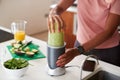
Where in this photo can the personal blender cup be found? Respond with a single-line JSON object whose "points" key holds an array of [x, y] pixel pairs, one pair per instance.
{"points": [[55, 48]]}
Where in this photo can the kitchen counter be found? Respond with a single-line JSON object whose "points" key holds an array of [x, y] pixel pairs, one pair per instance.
{"points": [[4, 36], [37, 69]]}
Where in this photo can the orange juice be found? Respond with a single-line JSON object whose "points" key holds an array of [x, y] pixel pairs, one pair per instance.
{"points": [[19, 35]]}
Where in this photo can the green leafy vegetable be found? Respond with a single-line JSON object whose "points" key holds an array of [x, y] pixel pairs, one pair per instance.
{"points": [[16, 63]]}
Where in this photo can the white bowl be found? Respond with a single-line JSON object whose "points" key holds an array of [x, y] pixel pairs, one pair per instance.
{"points": [[15, 72]]}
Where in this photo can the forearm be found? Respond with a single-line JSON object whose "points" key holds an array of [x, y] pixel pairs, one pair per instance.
{"points": [[62, 6], [97, 40], [111, 25]]}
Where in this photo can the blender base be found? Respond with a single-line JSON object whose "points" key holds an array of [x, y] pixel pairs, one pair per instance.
{"points": [[56, 72]]}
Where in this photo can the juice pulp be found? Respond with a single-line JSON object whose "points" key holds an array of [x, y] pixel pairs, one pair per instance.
{"points": [[19, 35]]}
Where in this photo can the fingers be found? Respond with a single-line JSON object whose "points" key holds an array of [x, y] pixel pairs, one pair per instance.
{"points": [[62, 62], [55, 20], [59, 21], [52, 22], [66, 57], [62, 56], [51, 26], [63, 59], [57, 24], [48, 24]]}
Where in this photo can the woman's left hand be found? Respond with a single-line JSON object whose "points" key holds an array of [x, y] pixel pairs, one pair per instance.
{"points": [[67, 57]]}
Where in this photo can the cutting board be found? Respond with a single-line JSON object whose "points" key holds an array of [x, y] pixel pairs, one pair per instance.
{"points": [[37, 55]]}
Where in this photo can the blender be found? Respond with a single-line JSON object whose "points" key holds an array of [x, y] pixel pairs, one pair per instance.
{"points": [[55, 48]]}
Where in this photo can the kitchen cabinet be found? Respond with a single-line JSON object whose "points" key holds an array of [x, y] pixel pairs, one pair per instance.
{"points": [[68, 18]]}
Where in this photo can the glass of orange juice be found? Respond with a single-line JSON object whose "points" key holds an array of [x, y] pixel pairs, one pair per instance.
{"points": [[18, 29]]}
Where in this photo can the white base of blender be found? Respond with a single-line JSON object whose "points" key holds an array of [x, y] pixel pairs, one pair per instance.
{"points": [[56, 72]]}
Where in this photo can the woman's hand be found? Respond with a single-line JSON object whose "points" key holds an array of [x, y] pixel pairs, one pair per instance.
{"points": [[54, 16], [67, 57], [53, 19]]}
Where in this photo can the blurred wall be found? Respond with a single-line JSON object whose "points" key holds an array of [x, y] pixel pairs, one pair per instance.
{"points": [[33, 11]]}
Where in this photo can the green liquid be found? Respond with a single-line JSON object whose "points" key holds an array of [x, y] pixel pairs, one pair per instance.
{"points": [[56, 39]]}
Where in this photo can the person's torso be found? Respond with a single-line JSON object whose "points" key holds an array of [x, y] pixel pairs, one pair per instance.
{"points": [[92, 15]]}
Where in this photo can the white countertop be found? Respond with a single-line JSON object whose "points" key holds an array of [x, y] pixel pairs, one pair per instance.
{"points": [[36, 70]]}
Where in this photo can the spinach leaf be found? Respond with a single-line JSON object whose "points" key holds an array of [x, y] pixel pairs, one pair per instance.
{"points": [[16, 63]]}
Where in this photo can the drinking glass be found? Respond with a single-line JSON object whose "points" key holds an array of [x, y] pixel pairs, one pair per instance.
{"points": [[18, 29]]}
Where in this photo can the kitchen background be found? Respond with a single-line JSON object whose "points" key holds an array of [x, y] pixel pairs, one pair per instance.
{"points": [[33, 11]]}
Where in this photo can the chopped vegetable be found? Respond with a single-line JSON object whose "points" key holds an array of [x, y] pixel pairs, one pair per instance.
{"points": [[34, 50], [21, 48], [17, 45], [21, 53], [30, 54], [27, 49]]}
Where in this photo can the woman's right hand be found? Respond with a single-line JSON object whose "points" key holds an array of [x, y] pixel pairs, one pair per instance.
{"points": [[67, 57], [54, 18]]}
